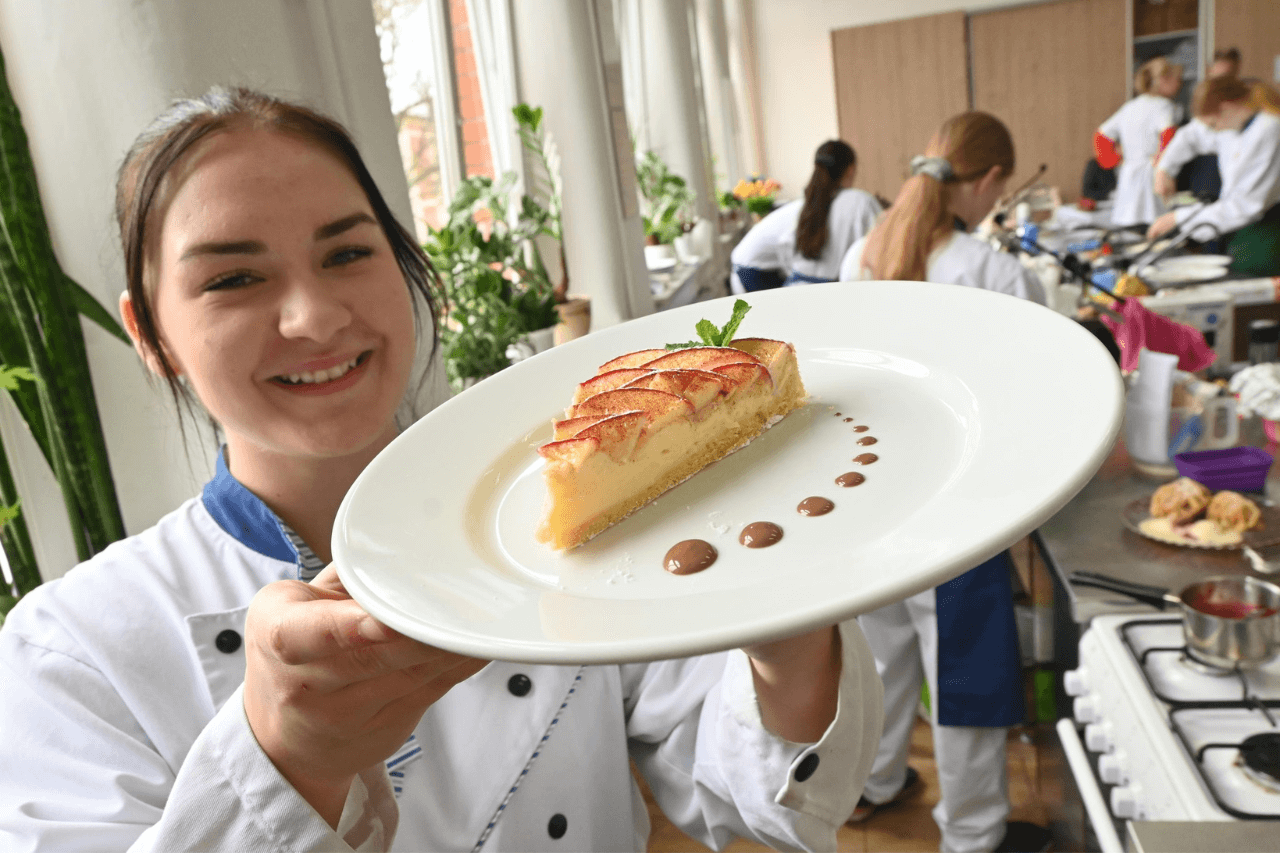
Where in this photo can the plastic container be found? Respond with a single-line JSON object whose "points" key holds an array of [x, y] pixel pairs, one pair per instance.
{"points": [[1240, 469]]}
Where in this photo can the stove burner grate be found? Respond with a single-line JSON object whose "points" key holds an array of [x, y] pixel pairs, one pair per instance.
{"points": [[1260, 754]]}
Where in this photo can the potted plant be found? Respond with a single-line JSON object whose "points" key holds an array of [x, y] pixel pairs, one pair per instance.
{"points": [[668, 209], [757, 195]]}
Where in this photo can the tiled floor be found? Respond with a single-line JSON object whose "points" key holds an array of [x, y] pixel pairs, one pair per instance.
{"points": [[1037, 790]]}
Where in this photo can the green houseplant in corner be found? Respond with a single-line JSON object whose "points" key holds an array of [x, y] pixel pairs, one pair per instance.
{"points": [[46, 367], [668, 208]]}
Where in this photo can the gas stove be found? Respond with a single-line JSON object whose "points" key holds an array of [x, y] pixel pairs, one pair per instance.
{"points": [[1169, 738]]}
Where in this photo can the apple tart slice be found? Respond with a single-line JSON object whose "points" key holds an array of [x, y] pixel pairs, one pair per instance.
{"points": [[650, 419]]}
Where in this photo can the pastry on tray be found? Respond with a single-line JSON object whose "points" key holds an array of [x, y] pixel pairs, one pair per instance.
{"points": [[1233, 511], [1180, 501], [650, 419]]}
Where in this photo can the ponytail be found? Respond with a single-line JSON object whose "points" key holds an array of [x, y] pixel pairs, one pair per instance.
{"points": [[965, 148], [833, 159]]}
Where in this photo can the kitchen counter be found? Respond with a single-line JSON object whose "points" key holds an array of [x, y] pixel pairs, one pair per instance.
{"points": [[1177, 836], [1088, 535]]}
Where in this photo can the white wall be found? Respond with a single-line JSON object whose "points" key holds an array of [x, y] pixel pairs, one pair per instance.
{"points": [[88, 76], [797, 81]]}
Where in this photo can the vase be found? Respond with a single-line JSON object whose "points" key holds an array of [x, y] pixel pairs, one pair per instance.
{"points": [[531, 343], [575, 319]]}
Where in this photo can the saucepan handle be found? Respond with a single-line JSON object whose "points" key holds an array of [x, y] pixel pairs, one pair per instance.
{"points": [[1157, 597]]}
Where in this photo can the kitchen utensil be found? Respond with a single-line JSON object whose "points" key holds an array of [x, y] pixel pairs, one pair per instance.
{"points": [[1228, 621], [1264, 535], [1240, 469], [1260, 564]]}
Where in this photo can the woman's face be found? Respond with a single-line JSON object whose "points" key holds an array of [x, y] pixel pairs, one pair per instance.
{"points": [[1168, 85], [277, 296]]}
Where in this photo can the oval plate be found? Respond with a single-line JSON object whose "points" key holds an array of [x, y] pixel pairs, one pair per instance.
{"points": [[990, 413], [1138, 511]]}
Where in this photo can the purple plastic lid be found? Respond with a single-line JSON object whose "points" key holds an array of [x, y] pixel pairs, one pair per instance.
{"points": [[1240, 469]]}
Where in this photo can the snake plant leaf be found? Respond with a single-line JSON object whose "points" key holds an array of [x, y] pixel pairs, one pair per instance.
{"points": [[94, 310]]}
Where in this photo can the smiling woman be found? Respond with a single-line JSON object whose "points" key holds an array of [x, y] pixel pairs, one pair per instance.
{"points": [[208, 684]]}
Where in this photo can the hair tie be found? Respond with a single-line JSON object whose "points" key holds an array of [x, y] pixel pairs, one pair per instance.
{"points": [[935, 167]]}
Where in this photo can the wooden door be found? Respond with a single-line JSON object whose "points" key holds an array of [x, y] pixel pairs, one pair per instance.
{"points": [[1253, 27], [1052, 72], [895, 83]]}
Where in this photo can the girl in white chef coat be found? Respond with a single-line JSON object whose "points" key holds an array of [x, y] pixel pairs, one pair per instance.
{"points": [[188, 689], [1139, 130], [803, 240], [961, 636], [1246, 137]]}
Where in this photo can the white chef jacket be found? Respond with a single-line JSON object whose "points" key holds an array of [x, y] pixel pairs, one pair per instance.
{"points": [[1249, 162], [963, 259], [771, 242], [1137, 126], [123, 726]]}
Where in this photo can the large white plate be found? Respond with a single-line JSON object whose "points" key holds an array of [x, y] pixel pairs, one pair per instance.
{"points": [[991, 412], [1186, 269]]}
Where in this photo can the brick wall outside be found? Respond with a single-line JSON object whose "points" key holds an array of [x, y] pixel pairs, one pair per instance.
{"points": [[477, 158]]}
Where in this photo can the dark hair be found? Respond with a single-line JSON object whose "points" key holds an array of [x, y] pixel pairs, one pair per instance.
{"points": [[139, 187], [833, 159], [1230, 54]]}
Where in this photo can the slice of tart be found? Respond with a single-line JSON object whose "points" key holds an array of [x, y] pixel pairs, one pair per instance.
{"points": [[650, 419]]}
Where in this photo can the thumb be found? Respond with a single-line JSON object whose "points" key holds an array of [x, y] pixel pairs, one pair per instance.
{"points": [[328, 579]]}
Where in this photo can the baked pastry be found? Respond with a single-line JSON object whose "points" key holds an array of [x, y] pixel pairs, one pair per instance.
{"points": [[650, 419], [1233, 511], [1180, 501]]}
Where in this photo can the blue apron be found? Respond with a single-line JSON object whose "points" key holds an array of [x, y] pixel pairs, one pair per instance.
{"points": [[754, 278], [799, 278], [979, 663]]}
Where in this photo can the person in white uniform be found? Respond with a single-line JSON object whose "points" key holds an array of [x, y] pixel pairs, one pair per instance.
{"points": [[1245, 135], [803, 240], [189, 689], [1131, 139], [960, 637]]}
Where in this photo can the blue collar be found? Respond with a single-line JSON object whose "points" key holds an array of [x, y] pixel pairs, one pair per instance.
{"points": [[244, 516]]}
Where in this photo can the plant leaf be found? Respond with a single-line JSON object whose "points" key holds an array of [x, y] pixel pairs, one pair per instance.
{"points": [[740, 309], [87, 306], [713, 336], [9, 377]]}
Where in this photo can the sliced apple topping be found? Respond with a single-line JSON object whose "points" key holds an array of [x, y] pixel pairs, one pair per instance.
{"points": [[699, 387], [631, 359], [569, 427], [768, 351], [570, 451], [617, 435], [742, 376], [701, 358], [607, 381], [660, 407]]}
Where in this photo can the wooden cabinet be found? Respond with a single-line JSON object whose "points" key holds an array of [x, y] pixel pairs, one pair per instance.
{"points": [[1252, 26], [895, 83], [1052, 72]]}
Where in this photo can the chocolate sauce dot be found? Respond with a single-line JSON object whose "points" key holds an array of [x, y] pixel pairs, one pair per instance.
{"points": [[867, 441], [853, 478], [760, 534], [861, 428], [815, 506], [848, 420], [839, 414], [865, 458], [689, 556]]}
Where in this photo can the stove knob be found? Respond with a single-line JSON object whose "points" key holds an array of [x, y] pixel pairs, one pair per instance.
{"points": [[1076, 681], [1124, 802], [1097, 737], [1113, 768], [1085, 709]]}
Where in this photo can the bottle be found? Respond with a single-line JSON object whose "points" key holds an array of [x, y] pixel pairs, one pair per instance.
{"points": [[1264, 341]]}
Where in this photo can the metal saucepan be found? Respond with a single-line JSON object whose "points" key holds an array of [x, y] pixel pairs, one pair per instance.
{"points": [[1228, 621]]}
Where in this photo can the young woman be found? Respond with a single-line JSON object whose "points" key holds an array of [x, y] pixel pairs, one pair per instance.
{"points": [[1133, 137], [187, 689], [961, 636], [1246, 138], [804, 240]]}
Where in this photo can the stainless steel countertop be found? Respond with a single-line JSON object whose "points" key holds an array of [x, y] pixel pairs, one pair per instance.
{"points": [[1177, 836], [1087, 534]]}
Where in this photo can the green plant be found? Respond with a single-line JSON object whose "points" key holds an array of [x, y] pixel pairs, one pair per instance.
{"points": [[41, 341], [668, 200]]}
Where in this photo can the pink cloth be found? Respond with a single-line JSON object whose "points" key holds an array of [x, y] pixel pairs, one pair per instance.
{"points": [[1144, 328]]}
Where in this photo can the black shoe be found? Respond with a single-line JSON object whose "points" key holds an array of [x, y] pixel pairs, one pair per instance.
{"points": [[1023, 837], [866, 808]]}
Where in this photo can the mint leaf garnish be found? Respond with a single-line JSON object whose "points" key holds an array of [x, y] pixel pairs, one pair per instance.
{"points": [[713, 336]]}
